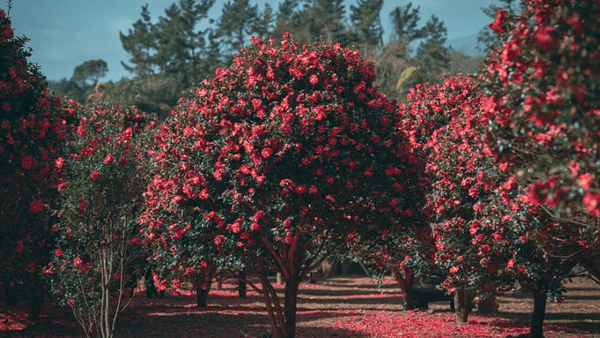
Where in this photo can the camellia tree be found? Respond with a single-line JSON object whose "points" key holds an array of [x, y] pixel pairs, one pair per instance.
{"points": [[440, 120], [32, 128], [486, 233], [543, 106], [279, 162], [98, 234]]}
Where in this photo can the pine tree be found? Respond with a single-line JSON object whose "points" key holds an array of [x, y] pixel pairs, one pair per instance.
{"points": [[141, 44], [405, 22], [264, 27], [285, 17], [324, 19], [367, 29], [180, 45], [235, 25], [432, 55]]}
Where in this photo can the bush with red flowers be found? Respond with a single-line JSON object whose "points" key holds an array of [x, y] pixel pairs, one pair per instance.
{"points": [[543, 106], [277, 163], [98, 234], [485, 232], [32, 128]]}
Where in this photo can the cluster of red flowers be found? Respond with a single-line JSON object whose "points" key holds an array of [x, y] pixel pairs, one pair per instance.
{"points": [[543, 104], [31, 129], [298, 125], [542, 108]]}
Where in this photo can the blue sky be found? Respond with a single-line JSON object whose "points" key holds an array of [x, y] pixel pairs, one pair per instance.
{"points": [[65, 33]]}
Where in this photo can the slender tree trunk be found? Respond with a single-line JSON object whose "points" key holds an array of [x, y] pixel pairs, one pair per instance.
{"points": [[10, 292], [291, 301], [242, 288], [279, 278], [407, 287], [202, 290], [461, 306], [539, 312], [36, 298]]}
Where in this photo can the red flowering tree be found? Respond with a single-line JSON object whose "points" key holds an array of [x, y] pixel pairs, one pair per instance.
{"points": [[278, 162], [98, 234], [485, 232], [543, 108], [31, 130], [440, 120]]}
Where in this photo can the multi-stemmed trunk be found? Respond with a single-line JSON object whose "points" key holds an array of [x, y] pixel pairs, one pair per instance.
{"points": [[406, 283], [283, 320]]}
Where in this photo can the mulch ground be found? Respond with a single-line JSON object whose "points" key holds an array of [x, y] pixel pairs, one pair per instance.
{"points": [[349, 306]]}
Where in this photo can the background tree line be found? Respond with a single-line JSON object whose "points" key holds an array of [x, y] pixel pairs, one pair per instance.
{"points": [[176, 51]]}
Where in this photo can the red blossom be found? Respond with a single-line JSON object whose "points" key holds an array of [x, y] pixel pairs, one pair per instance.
{"points": [[94, 175]]}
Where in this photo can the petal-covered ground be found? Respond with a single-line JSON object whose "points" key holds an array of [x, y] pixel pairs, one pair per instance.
{"points": [[338, 307]]}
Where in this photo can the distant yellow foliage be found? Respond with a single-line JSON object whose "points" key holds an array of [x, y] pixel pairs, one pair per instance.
{"points": [[405, 75]]}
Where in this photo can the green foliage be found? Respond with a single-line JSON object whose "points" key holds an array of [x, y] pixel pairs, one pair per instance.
{"points": [[235, 25], [90, 70], [366, 24], [77, 87]]}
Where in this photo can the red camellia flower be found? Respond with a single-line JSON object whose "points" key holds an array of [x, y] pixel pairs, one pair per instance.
{"points": [[27, 162], [58, 252], [36, 206], [109, 159], [496, 25], [94, 175]]}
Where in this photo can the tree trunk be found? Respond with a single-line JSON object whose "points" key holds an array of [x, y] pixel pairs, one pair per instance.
{"points": [[10, 292], [407, 287], [290, 302], [279, 278], [36, 298], [461, 306], [539, 312], [242, 285], [202, 290]]}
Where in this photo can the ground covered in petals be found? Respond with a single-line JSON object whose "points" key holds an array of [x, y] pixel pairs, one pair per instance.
{"points": [[337, 307]]}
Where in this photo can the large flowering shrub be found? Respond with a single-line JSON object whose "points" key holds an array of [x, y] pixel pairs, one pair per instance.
{"points": [[98, 231], [31, 130], [277, 163], [486, 233], [543, 106]]}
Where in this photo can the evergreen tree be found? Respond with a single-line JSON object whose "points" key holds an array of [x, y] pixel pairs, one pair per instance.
{"points": [[405, 22], [368, 32], [237, 22], [432, 55], [265, 24], [324, 19], [180, 45], [141, 44], [89, 70], [284, 20]]}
